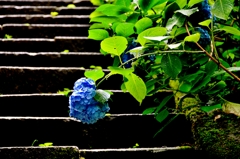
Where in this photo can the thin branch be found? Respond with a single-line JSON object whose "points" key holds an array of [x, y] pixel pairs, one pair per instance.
{"points": [[213, 59]]}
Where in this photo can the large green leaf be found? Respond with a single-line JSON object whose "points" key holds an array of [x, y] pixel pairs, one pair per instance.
{"points": [[149, 111], [136, 87], [102, 96], [106, 19], [155, 31], [171, 65], [143, 24], [114, 45], [210, 108], [112, 10], [125, 3], [94, 74], [162, 115], [121, 71], [222, 8], [230, 30], [97, 34], [177, 19], [146, 5], [192, 38], [125, 29], [187, 12], [181, 3]]}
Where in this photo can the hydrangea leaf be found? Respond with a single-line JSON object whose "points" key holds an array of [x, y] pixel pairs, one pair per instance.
{"points": [[181, 3], [102, 96], [114, 45], [155, 31], [94, 74], [97, 34], [146, 5], [193, 2], [171, 65], [177, 19], [205, 22], [210, 108], [136, 87], [192, 38], [105, 19], [230, 30], [125, 3], [222, 8], [162, 115], [125, 29], [143, 24], [187, 12], [112, 10], [121, 71], [149, 111]]}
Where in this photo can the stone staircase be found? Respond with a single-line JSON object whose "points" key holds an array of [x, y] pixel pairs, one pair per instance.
{"points": [[33, 68]]}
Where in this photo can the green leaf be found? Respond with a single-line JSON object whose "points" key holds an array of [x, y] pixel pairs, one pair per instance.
{"points": [[163, 103], [155, 31], [106, 19], [192, 38], [71, 6], [121, 71], [171, 65], [146, 5], [230, 30], [133, 18], [54, 14], [65, 92], [177, 19], [114, 45], [158, 38], [185, 87], [210, 108], [193, 2], [181, 3], [205, 22], [102, 96], [174, 46], [94, 74], [143, 24], [222, 8], [99, 26], [125, 29], [125, 3], [202, 83], [97, 34], [136, 87], [112, 10], [149, 111], [216, 73], [217, 87], [211, 67], [187, 12], [162, 115]]}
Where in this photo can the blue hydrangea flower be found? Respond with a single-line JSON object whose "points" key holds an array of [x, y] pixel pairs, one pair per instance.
{"points": [[127, 56], [82, 104], [205, 10], [204, 38]]}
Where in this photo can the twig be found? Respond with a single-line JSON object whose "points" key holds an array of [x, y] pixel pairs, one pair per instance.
{"points": [[213, 59]]}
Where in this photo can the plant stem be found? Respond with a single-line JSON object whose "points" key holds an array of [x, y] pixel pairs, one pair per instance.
{"points": [[213, 59]]}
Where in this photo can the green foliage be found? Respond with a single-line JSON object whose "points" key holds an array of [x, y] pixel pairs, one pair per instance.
{"points": [[171, 41], [94, 74]]}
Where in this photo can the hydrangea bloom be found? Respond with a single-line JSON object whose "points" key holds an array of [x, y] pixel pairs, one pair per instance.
{"points": [[127, 56], [82, 104], [205, 10], [204, 38]]}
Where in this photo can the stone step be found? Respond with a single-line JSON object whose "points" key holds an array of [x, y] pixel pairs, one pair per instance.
{"points": [[22, 104], [46, 2], [72, 152], [44, 30], [44, 19], [21, 80], [115, 131], [55, 59], [9, 9], [58, 44]]}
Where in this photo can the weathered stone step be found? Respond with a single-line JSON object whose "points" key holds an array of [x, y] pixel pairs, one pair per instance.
{"points": [[22, 104], [58, 44], [44, 30], [9, 9], [115, 131], [55, 59], [44, 19], [72, 152], [46, 2], [55, 152], [15, 80]]}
